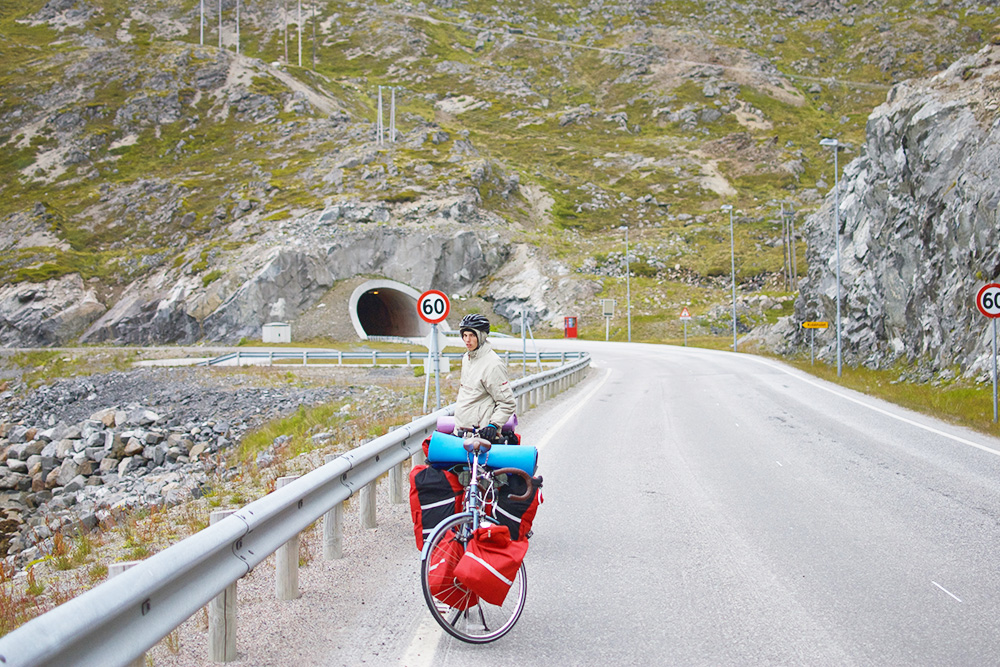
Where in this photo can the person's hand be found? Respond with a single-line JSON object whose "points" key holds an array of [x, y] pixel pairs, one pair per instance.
{"points": [[488, 432]]}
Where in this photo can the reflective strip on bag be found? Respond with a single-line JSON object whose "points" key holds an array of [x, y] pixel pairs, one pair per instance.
{"points": [[507, 514], [493, 570], [440, 503]]}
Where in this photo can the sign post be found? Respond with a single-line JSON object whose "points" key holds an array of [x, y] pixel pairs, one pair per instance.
{"points": [[433, 306], [988, 303], [608, 307], [812, 326], [685, 316]]}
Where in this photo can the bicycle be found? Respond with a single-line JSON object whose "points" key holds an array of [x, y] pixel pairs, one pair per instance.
{"points": [[460, 612]]}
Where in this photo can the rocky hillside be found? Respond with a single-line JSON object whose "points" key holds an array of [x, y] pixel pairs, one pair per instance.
{"points": [[159, 187], [919, 228]]}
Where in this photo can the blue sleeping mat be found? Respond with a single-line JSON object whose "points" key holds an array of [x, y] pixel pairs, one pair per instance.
{"points": [[447, 449]]}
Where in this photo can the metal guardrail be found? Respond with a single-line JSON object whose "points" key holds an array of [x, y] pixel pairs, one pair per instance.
{"points": [[116, 622], [410, 358]]}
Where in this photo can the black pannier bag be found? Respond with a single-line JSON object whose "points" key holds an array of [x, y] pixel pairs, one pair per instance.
{"points": [[434, 496], [518, 515]]}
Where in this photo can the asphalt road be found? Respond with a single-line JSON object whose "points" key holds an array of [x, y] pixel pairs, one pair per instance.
{"points": [[709, 508], [701, 508]]}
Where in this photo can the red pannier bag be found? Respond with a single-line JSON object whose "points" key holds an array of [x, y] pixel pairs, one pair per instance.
{"points": [[434, 496], [517, 515], [441, 575], [490, 563]]}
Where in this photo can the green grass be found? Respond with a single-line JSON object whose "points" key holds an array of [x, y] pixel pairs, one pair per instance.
{"points": [[961, 402], [298, 426], [45, 366]]}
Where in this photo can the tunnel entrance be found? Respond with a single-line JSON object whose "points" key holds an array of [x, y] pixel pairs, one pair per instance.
{"points": [[385, 308]]}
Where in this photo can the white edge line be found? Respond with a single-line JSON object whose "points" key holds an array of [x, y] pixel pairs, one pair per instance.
{"points": [[566, 417], [423, 646], [879, 410], [946, 590]]}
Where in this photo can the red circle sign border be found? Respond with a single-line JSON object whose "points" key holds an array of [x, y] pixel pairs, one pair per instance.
{"points": [[979, 300], [447, 306]]}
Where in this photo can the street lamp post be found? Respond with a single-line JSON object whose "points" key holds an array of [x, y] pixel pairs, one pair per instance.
{"points": [[628, 289], [833, 143], [732, 260]]}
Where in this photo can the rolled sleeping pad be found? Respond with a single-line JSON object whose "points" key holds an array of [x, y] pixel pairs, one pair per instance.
{"points": [[447, 425], [447, 449]]}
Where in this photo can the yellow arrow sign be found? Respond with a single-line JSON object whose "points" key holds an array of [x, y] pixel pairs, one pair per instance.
{"points": [[815, 325]]}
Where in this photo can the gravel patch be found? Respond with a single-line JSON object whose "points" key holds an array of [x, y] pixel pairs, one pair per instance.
{"points": [[351, 611]]}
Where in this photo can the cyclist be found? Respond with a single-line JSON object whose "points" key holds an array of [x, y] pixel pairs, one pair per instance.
{"points": [[485, 399]]}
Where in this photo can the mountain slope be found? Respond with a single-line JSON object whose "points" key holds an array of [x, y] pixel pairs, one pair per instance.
{"points": [[147, 177]]}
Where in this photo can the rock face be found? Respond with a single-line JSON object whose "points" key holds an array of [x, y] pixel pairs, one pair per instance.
{"points": [[49, 313], [278, 278], [919, 227]]}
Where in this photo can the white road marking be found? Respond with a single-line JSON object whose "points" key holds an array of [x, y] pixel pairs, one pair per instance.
{"points": [[779, 464], [420, 652], [552, 430], [945, 590], [880, 410]]}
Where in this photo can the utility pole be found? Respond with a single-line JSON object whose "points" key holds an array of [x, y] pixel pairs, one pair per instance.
{"points": [[836, 230], [732, 259], [379, 125], [392, 115]]}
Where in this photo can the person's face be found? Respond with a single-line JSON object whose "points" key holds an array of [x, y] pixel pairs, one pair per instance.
{"points": [[470, 339]]}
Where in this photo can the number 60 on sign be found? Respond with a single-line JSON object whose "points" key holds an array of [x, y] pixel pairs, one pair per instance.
{"points": [[988, 300]]}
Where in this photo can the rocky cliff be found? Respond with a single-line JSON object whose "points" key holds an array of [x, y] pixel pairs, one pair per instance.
{"points": [[919, 230]]}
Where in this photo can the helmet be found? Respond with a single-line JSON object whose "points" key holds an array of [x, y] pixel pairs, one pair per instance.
{"points": [[474, 321]]}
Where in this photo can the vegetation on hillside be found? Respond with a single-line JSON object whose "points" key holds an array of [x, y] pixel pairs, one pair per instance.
{"points": [[117, 140]]}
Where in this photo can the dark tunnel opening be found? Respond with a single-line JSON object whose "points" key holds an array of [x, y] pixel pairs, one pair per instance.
{"points": [[388, 312]]}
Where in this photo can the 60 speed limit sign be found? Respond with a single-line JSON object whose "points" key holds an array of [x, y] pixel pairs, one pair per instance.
{"points": [[433, 306], [988, 300]]}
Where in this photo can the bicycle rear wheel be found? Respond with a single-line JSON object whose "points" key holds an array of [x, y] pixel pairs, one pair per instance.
{"points": [[460, 612]]}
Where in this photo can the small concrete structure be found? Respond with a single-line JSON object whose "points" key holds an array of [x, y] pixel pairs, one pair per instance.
{"points": [[277, 332]]}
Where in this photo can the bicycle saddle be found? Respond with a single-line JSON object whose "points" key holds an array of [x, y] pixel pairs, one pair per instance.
{"points": [[480, 445]]}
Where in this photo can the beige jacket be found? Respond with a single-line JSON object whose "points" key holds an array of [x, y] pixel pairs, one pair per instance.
{"points": [[485, 396]]}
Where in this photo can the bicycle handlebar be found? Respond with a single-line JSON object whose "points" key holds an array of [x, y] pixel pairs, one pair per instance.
{"points": [[481, 446], [528, 479]]}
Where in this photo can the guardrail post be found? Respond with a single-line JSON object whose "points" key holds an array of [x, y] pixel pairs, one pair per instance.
{"points": [[408, 361], [114, 569], [286, 559], [333, 526], [237, 357], [374, 357], [367, 509], [396, 477], [305, 357], [222, 613], [270, 357]]}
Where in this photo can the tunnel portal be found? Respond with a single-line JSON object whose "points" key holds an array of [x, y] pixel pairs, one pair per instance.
{"points": [[388, 308]]}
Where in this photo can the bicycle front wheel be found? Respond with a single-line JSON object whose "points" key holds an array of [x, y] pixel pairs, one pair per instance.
{"points": [[460, 612]]}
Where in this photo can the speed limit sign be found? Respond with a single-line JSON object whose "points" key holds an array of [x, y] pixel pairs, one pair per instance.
{"points": [[988, 300], [433, 306]]}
